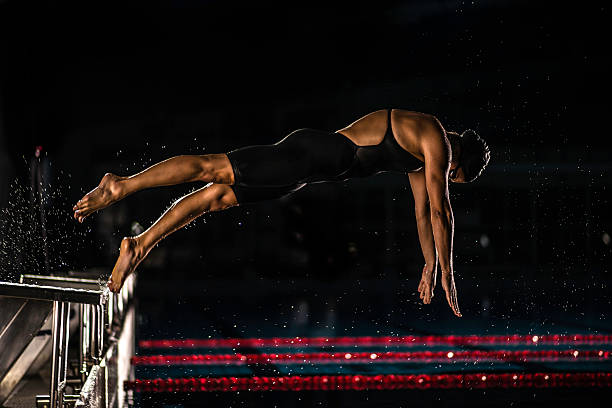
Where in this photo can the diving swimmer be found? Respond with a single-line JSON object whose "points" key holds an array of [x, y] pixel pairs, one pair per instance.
{"points": [[389, 140]]}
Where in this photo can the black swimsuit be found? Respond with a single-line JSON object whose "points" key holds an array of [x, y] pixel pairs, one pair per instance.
{"points": [[306, 156]]}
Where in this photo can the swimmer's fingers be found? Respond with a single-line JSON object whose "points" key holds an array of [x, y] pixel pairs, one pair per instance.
{"points": [[453, 294], [448, 284], [448, 299], [451, 298], [422, 286], [425, 291], [423, 283], [427, 294], [455, 302]]}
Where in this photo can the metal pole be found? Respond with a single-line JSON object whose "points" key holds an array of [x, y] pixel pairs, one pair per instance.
{"points": [[59, 362], [64, 355], [92, 334], [82, 335], [100, 326], [56, 332], [97, 330]]}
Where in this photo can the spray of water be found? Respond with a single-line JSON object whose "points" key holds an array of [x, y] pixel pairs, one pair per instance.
{"points": [[33, 244]]}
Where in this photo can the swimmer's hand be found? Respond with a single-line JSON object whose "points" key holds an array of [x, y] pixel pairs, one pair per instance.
{"points": [[428, 283], [448, 284]]}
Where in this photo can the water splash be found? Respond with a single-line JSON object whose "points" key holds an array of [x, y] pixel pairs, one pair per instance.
{"points": [[23, 232]]}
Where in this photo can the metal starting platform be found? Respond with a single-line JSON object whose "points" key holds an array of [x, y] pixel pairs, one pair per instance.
{"points": [[65, 341]]}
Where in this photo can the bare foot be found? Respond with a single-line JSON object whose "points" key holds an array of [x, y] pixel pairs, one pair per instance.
{"points": [[108, 191], [427, 285], [130, 255]]}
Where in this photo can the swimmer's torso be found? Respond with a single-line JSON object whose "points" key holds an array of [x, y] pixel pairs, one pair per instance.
{"points": [[400, 145]]}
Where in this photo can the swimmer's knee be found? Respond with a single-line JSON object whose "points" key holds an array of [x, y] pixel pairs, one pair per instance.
{"points": [[215, 168], [224, 197], [206, 168]]}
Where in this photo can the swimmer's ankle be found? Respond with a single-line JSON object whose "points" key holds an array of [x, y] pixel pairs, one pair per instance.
{"points": [[129, 185], [119, 187], [138, 246], [115, 186]]}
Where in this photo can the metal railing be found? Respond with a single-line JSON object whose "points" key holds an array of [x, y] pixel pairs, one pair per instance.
{"points": [[101, 315]]}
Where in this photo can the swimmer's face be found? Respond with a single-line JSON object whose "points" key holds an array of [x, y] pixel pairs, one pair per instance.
{"points": [[456, 174]]}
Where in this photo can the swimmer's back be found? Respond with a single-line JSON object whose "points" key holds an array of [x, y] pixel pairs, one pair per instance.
{"points": [[409, 127]]}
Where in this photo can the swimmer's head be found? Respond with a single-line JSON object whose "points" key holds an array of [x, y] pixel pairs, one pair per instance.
{"points": [[472, 158]]}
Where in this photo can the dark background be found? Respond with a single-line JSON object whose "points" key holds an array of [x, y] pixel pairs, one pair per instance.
{"points": [[117, 88]]}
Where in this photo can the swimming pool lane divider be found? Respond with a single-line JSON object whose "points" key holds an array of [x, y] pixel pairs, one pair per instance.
{"points": [[377, 382], [372, 357], [373, 382], [365, 341]]}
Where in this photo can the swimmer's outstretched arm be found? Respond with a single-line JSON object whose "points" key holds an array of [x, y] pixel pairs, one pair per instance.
{"points": [[176, 170], [212, 197], [437, 153], [426, 238]]}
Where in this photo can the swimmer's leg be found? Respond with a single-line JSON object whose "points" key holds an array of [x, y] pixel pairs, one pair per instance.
{"points": [[213, 197], [215, 168]]}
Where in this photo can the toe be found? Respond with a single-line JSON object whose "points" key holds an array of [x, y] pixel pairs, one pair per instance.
{"points": [[111, 286]]}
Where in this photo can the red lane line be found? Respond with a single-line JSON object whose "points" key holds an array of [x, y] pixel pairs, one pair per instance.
{"points": [[372, 382], [380, 341], [360, 357]]}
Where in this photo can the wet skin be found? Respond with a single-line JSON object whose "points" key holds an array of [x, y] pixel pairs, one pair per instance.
{"points": [[216, 170], [429, 273], [181, 169], [106, 193]]}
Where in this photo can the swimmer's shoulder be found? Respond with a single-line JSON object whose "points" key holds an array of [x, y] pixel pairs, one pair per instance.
{"points": [[417, 119], [417, 127]]}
